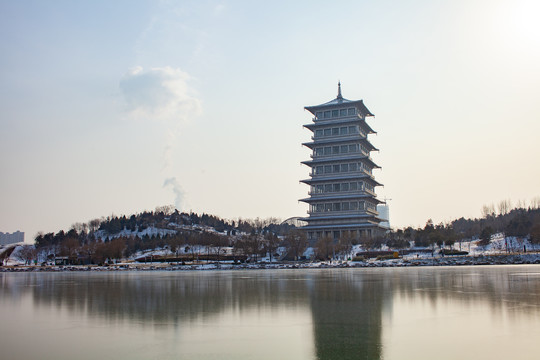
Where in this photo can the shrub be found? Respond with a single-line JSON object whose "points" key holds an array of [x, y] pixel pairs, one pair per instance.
{"points": [[385, 257], [453, 252]]}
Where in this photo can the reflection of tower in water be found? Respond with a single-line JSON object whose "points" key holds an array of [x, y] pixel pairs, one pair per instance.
{"points": [[347, 316], [346, 306]]}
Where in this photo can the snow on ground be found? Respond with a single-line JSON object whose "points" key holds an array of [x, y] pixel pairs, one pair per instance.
{"points": [[150, 231], [499, 245]]}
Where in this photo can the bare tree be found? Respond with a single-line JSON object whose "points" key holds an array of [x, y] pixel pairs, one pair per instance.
{"points": [[165, 209], [504, 207], [242, 246], [218, 244], [488, 210], [296, 241], [27, 253], [194, 248], [69, 247], [254, 244], [324, 248], [272, 243], [80, 227], [115, 248], [345, 243], [521, 204], [93, 225]]}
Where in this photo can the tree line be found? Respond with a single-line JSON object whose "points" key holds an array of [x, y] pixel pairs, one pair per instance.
{"points": [[196, 244], [98, 240], [519, 222], [101, 240]]}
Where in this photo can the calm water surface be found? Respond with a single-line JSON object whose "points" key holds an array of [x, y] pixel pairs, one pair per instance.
{"points": [[404, 313]]}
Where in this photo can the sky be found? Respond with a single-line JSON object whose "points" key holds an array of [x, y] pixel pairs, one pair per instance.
{"points": [[118, 107]]}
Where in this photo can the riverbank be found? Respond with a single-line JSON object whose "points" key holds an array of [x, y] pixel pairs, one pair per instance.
{"points": [[512, 259]]}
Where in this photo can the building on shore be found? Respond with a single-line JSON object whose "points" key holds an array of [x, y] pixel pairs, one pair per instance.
{"points": [[342, 199], [8, 239]]}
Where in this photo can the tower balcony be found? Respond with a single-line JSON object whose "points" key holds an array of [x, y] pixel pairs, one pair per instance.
{"points": [[364, 192], [357, 196], [328, 215], [329, 156], [329, 159], [352, 176], [341, 140], [348, 174], [340, 122]]}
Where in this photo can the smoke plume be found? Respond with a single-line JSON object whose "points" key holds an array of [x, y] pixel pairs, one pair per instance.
{"points": [[163, 95]]}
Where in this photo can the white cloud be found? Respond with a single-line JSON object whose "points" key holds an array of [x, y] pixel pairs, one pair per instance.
{"points": [[159, 94], [218, 9]]}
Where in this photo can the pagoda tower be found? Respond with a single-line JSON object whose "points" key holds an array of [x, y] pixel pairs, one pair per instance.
{"points": [[342, 197]]}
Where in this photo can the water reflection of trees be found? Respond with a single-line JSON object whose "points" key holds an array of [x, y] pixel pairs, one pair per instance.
{"points": [[498, 287], [157, 298], [347, 306]]}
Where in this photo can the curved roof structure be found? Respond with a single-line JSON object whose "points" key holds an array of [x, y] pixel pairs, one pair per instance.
{"points": [[339, 101]]}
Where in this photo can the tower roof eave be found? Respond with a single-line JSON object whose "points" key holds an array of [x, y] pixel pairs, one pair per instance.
{"points": [[339, 102], [363, 176], [370, 224], [335, 141], [362, 196], [316, 161], [323, 123]]}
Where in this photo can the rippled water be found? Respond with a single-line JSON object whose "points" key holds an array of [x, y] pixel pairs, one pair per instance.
{"points": [[404, 313]]}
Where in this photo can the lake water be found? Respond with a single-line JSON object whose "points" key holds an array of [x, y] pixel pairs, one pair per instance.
{"points": [[393, 313]]}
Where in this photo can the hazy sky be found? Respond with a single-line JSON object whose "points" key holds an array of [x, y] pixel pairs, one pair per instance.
{"points": [[116, 107]]}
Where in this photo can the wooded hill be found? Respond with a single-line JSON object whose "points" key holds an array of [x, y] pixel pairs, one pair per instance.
{"points": [[117, 237]]}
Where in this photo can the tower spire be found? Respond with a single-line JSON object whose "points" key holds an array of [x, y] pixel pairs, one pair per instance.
{"points": [[339, 90]]}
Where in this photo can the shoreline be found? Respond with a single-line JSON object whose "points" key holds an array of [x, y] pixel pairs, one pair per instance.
{"points": [[500, 259]]}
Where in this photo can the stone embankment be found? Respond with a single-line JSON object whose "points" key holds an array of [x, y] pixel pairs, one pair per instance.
{"points": [[399, 262], [455, 261]]}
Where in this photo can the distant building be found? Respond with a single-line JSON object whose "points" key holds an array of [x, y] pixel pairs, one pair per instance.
{"points": [[7, 238], [342, 186], [384, 215]]}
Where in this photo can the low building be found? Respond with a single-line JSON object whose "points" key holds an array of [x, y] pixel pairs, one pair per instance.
{"points": [[384, 215], [14, 238]]}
